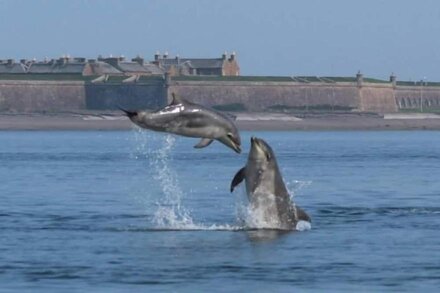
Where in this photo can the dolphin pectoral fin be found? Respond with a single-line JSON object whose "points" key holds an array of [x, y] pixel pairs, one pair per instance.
{"points": [[238, 178], [301, 215], [203, 143]]}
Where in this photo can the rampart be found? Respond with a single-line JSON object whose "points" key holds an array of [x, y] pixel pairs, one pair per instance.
{"points": [[288, 96], [231, 94], [421, 98], [41, 96], [132, 96], [55, 96]]}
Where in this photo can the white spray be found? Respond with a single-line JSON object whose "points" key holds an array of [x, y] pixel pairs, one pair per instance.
{"points": [[156, 150]]}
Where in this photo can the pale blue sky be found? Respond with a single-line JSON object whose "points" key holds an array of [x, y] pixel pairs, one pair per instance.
{"points": [[276, 37]]}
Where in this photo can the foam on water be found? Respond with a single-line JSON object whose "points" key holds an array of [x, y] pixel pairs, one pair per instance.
{"points": [[303, 226]]}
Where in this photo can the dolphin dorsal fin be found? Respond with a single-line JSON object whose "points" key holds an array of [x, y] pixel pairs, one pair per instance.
{"points": [[176, 100]]}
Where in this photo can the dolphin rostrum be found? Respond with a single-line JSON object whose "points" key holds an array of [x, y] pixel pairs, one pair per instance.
{"points": [[189, 119], [266, 190]]}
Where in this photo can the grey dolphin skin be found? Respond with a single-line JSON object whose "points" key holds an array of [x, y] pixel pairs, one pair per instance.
{"points": [[265, 188], [189, 119]]}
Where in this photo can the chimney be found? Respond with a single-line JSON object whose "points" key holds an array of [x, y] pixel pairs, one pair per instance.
{"points": [[113, 61], [79, 59], [156, 56], [62, 61], [232, 58], [393, 80], [139, 60], [224, 55], [167, 79], [10, 62], [23, 61], [165, 55], [359, 78]]}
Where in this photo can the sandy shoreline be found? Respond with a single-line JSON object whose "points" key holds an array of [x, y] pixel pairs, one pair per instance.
{"points": [[245, 121]]}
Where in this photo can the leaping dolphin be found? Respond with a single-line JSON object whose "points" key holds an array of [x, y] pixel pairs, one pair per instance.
{"points": [[266, 190], [189, 119]]}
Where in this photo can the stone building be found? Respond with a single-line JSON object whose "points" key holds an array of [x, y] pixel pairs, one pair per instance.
{"points": [[95, 67], [9, 66], [137, 66], [63, 65], [223, 66]]}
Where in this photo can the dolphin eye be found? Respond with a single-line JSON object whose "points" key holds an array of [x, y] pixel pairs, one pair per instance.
{"points": [[268, 157]]}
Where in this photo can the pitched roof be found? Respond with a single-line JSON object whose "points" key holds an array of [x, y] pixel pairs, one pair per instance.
{"points": [[62, 65], [40, 67], [154, 69], [192, 62], [204, 63], [100, 68], [69, 68], [128, 67], [135, 66]]}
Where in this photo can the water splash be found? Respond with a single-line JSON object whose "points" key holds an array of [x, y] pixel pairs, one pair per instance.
{"points": [[260, 216], [303, 226], [262, 213], [156, 149], [256, 216], [295, 186], [169, 213]]}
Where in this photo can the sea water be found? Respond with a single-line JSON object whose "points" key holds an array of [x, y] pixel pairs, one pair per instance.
{"points": [[137, 211]]}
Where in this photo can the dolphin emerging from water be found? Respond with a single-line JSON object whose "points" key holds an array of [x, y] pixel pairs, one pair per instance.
{"points": [[266, 190], [190, 119]]}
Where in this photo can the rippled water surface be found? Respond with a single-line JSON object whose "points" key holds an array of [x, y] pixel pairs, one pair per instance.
{"points": [[139, 211]]}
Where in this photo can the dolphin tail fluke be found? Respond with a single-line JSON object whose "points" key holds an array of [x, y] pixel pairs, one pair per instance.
{"points": [[301, 215], [203, 143], [127, 112], [238, 178]]}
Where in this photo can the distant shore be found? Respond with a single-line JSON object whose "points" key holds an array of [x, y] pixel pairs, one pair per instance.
{"points": [[88, 120]]}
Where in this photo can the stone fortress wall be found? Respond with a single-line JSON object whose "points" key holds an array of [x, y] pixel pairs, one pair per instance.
{"points": [[246, 94], [41, 96], [261, 96], [61, 96], [70, 84]]}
